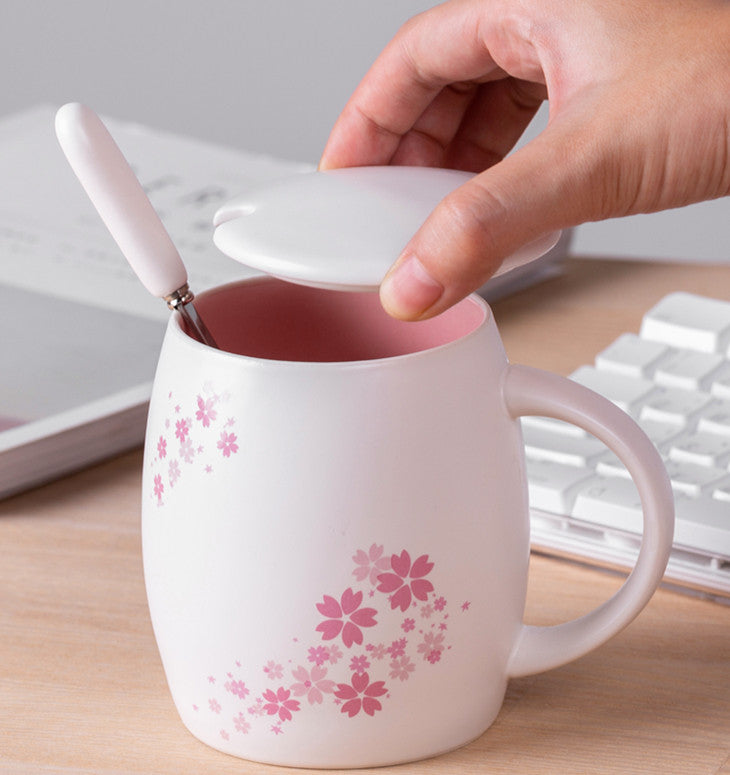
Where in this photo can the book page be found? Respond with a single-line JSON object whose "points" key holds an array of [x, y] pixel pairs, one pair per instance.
{"points": [[52, 241]]}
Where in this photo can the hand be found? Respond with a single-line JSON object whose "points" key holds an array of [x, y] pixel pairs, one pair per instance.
{"points": [[639, 94]]}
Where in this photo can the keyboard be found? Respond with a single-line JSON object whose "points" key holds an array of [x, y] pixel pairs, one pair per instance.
{"points": [[673, 378]]}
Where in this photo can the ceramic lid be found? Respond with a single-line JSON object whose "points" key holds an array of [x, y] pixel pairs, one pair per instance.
{"points": [[339, 229]]}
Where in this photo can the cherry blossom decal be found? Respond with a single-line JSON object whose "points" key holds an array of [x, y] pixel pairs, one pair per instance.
{"points": [[346, 617], [406, 580], [341, 661], [195, 432]]}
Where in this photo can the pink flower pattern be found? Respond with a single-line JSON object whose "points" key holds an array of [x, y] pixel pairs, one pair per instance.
{"points": [[347, 622], [432, 641], [407, 580], [208, 431], [236, 687], [279, 703], [182, 429], [187, 453], [273, 670], [205, 412], [401, 668], [312, 683], [173, 472], [370, 564], [345, 617], [359, 664], [319, 655], [227, 443], [159, 488], [335, 655], [361, 694]]}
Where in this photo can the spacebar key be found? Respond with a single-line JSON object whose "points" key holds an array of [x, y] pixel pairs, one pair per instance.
{"points": [[702, 524], [610, 501]]}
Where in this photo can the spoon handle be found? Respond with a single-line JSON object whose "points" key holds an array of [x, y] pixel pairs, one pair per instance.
{"points": [[120, 199], [126, 210]]}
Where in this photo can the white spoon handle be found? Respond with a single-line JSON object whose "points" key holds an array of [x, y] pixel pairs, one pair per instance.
{"points": [[120, 199]]}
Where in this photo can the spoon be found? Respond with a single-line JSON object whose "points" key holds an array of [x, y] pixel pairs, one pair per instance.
{"points": [[127, 212]]}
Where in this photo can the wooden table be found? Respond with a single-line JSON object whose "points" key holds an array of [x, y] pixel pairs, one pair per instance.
{"points": [[82, 689]]}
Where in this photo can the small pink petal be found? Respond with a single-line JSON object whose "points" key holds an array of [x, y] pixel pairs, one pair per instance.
{"points": [[330, 628], [421, 567], [301, 674], [360, 682], [375, 552], [330, 607], [345, 692], [364, 617], [352, 707], [351, 634], [376, 689], [401, 564], [350, 601], [361, 558], [318, 672], [421, 588], [369, 705], [402, 598], [389, 582]]}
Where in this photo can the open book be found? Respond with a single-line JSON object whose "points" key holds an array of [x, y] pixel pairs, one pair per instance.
{"points": [[81, 335]]}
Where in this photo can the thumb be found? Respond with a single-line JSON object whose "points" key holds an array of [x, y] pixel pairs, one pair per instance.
{"points": [[479, 225]]}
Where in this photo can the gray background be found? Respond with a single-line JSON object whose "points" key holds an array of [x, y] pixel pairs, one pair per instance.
{"points": [[268, 76]]}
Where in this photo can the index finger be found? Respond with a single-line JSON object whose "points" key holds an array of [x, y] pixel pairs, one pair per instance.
{"points": [[439, 47]]}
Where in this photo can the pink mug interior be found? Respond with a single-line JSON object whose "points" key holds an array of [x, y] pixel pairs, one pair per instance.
{"points": [[275, 320]]}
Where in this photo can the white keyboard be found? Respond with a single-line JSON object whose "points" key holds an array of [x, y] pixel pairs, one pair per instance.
{"points": [[673, 378]]}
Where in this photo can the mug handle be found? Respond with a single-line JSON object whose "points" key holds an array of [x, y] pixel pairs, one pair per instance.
{"points": [[528, 391]]}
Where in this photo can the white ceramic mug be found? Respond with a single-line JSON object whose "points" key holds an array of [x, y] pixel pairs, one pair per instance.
{"points": [[335, 525]]}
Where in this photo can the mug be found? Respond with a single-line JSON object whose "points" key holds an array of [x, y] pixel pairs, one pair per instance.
{"points": [[336, 528]]}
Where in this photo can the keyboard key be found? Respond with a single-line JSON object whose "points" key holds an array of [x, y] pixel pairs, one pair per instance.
{"points": [[551, 424], [687, 320], [553, 486], [721, 492], [688, 369], [715, 417], [542, 444], [701, 523], [632, 356], [610, 465], [692, 479], [612, 502], [701, 448], [720, 386], [673, 405], [628, 393], [660, 433]]}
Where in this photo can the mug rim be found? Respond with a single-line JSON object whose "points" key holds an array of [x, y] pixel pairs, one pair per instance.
{"points": [[176, 323]]}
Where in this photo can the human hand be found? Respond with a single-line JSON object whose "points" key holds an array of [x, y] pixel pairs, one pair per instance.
{"points": [[639, 94]]}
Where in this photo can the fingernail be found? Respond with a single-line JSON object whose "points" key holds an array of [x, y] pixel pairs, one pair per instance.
{"points": [[408, 290]]}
